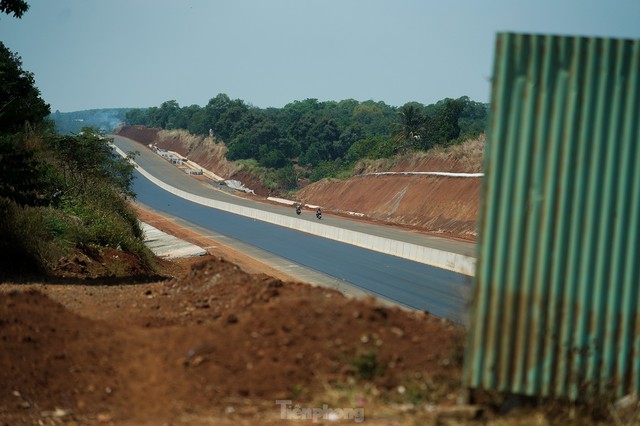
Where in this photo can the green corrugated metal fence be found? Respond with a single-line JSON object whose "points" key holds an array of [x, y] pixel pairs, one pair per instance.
{"points": [[557, 287]]}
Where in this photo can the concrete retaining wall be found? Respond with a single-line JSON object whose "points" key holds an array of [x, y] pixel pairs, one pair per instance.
{"points": [[438, 258]]}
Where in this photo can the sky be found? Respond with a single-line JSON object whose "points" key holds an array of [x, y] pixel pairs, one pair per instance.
{"points": [[89, 54]]}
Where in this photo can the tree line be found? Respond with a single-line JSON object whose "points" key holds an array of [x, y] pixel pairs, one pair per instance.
{"points": [[319, 135]]}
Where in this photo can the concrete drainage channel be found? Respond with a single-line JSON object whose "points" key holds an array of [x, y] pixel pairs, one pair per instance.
{"points": [[167, 246], [427, 255]]}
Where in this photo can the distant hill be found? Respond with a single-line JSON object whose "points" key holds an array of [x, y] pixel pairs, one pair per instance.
{"points": [[105, 120]]}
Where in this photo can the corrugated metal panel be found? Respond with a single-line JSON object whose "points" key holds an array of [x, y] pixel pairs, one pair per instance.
{"points": [[556, 303]]}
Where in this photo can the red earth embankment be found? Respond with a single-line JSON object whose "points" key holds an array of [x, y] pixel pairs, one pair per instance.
{"points": [[436, 204], [447, 205], [202, 150]]}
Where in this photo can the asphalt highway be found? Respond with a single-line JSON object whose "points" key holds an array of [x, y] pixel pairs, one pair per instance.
{"points": [[411, 284], [171, 175]]}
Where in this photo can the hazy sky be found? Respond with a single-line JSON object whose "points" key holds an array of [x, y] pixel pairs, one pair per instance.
{"points": [[136, 53]]}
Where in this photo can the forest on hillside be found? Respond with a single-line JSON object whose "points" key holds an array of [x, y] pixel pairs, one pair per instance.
{"points": [[320, 138]]}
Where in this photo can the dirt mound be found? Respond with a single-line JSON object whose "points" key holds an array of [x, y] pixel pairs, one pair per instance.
{"points": [[90, 263], [439, 204], [142, 134], [214, 337], [52, 359]]}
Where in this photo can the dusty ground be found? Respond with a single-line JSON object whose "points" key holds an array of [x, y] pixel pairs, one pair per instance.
{"points": [[212, 345]]}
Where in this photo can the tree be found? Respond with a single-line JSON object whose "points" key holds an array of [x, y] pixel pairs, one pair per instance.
{"points": [[87, 158], [20, 100], [198, 124], [473, 118], [311, 156], [166, 114], [273, 159], [372, 147], [412, 122], [445, 124], [17, 7], [286, 177], [233, 120], [23, 178], [182, 117], [241, 147]]}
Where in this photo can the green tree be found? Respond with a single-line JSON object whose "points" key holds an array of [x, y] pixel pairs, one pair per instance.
{"points": [[241, 147], [372, 147], [473, 118], [272, 158], [412, 125], [20, 101], [233, 120], [445, 127], [88, 158], [138, 117], [183, 117], [166, 114], [198, 124], [17, 7], [23, 178], [311, 156], [286, 177]]}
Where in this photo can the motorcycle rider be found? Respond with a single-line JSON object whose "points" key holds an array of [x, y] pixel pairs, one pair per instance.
{"points": [[319, 213]]}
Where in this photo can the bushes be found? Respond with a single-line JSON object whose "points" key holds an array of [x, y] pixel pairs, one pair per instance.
{"points": [[373, 147], [28, 237], [36, 238], [105, 219]]}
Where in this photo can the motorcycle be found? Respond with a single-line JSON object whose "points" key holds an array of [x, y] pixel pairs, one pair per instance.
{"points": [[298, 210], [319, 214]]}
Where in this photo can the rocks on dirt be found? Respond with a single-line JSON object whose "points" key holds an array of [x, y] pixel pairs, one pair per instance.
{"points": [[259, 339]]}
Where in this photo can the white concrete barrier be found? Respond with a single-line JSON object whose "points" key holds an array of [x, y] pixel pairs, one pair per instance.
{"points": [[427, 255]]}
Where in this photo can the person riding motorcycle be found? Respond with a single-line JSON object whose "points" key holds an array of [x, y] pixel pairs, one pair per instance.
{"points": [[319, 213]]}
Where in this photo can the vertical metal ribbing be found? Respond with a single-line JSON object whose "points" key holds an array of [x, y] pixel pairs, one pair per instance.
{"points": [[557, 296]]}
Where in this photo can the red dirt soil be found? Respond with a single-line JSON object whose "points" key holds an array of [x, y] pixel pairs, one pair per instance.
{"points": [[142, 134], [441, 205], [185, 349]]}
